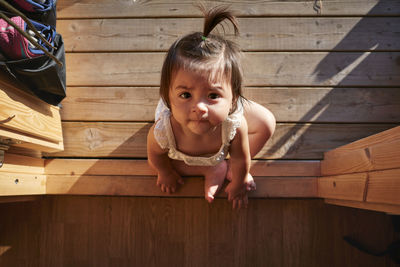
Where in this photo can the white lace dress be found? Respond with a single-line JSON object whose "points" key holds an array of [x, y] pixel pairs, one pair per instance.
{"points": [[165, 137]]}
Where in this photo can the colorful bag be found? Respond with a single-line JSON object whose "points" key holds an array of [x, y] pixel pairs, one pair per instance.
{"points": [[43, 11], [39, 64]]}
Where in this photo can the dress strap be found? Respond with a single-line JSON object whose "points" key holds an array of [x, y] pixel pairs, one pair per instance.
{"points": [[231, 123]]}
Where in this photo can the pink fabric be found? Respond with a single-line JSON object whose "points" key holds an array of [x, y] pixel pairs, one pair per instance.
{"points": [[25, 5], [13, 44]]}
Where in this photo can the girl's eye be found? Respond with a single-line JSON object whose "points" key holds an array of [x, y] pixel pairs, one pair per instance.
{"points": [[185, 95], [213, 96]]}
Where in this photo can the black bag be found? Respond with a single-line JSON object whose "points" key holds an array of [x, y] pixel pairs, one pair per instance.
{"points": [[42, 75]]}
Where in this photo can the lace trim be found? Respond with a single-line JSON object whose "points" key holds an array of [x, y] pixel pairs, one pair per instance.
{"points": [[162, 114]]}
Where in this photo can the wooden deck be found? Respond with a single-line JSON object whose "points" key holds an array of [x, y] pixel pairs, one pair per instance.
{"points": [[330, 76]]}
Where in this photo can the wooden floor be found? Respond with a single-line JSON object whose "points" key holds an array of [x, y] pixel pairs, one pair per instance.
{"points": [[128, 231]]}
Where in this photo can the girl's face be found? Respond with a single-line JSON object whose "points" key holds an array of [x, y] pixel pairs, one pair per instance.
{"points": [[198, 104]]}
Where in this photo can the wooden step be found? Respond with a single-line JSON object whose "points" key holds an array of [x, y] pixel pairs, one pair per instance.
{"points": [[135, 178], [377, 152], [364, 174]]}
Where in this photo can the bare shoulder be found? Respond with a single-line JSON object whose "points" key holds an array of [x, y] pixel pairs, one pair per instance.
{"points": [[258, 117]]}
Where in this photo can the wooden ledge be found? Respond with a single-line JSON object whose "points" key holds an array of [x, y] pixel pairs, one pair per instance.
{"points": [[285, 168], [364, 174], [24, 176], [294, 187], [135, 178], [377, 152]]}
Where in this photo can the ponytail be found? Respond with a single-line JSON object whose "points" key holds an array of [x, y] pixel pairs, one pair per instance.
{"points": [[215, 16]]}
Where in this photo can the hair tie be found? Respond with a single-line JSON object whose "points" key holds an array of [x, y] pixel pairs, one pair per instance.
{"points": [[203, 38]]}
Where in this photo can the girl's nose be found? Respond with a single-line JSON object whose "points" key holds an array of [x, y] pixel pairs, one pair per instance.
{"points": [[200, 108]]}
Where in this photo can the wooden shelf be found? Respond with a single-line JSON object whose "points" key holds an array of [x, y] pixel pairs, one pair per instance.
{"points": [[26, 121], [31, 124]]}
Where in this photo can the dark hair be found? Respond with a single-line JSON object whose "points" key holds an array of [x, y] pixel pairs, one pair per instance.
{"points": [[206, 53]]}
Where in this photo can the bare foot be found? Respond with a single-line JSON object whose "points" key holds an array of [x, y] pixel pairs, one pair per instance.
{"points": [[214, 178], [250, 184]]}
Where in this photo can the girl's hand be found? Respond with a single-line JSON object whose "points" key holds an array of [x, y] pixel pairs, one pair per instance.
{"points": [[168, 181], [237, 193]]}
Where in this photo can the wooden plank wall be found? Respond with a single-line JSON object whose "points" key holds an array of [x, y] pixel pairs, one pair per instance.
{"points": [[330, 77]]}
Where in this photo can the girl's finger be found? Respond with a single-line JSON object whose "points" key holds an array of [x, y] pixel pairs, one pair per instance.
{"points": [[240, 204], [245, 201]]}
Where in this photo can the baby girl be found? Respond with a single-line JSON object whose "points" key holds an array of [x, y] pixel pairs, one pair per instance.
{"points": [[202, 116]]}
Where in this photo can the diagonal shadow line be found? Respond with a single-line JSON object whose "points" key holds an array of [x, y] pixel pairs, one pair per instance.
{"points": [[360, 68]]}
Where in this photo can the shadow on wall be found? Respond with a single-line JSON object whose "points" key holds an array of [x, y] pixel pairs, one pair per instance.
{"points": [[363, 77], [361, 99]]}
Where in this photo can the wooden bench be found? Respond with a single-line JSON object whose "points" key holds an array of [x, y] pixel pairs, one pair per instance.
{"points": [[364, 174]]}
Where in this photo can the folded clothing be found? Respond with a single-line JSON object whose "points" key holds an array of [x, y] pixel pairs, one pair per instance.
{"points": [[14, 45], [43, 11], [35, 6]]}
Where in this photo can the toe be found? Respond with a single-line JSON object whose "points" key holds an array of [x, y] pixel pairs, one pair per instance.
{"points": [[209, 198]]}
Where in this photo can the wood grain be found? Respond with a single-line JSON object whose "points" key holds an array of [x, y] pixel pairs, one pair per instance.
{"points": [[376, 157], [14, 199], [282, 168], [367, 105], [22, 164], [22, 112], [136, 231], [31, 142], [103, 8], [387, 136], [384, 187], [331, 78], [391, 209], [260, 69], [16, 184], [345, 187], [257, 34], [386, 155], [114, 185], [128, 140]]}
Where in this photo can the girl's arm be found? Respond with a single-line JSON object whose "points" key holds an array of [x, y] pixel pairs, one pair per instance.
{"points": [[239, 166], [167, 177]]}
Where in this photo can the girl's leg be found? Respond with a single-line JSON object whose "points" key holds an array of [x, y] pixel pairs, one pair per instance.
{"points": [[214, 176]]}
